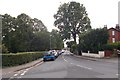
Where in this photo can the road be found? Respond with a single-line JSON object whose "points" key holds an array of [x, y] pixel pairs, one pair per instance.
{"points": [[67, 66]]}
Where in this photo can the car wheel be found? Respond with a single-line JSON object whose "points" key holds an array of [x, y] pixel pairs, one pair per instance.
{"points": [[53, 59], [44, 60]]}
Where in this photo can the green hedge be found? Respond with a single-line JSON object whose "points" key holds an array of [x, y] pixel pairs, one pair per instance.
{"points": [[112, 46], [20, 58]]}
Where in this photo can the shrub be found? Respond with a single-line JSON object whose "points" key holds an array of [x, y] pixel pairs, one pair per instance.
{"points": [[74, 49], [19, 58], [4, 48], [112, 46]]}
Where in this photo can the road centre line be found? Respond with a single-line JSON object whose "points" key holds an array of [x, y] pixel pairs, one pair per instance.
{"points": [[65, 60], [84, 67], [77, 65], [71, 63], [117, 74]]}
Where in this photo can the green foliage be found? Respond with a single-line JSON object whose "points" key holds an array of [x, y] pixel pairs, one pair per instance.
{"points": [[23, 34], [41, 41], [93, 40], [56, 40], [19, 58], [4, 49], [8, 27], [112, 46], [70, 43], [38, 25], [72, 19], [73, 48]]}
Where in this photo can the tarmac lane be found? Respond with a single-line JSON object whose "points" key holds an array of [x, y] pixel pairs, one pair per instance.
{"points": [[67, 66]]}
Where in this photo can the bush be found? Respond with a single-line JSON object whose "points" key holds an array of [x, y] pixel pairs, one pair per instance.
{"points": [[74, 49], [107, 47], [4, 48], [19, 58], [112, 46]]}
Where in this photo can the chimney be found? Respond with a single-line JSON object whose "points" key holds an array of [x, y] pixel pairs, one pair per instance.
{"points": [[117, 26], [105, 26]]}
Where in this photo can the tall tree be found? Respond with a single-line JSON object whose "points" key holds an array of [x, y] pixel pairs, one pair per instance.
{"points": [[8, 28], [72, 19], [23, 34], [56, 40], [41, 41], [38, 25], [24, 31]]}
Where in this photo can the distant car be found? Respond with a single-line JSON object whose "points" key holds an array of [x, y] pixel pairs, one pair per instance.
{"points": [[49, 56], [118, 52], [62, 51], [55, 53]]}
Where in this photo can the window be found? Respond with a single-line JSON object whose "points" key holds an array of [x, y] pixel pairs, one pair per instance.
{"points": [[113, 33], [113, 40]]}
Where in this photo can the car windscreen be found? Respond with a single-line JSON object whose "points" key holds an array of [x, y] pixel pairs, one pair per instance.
{"points": [[48, 54]]}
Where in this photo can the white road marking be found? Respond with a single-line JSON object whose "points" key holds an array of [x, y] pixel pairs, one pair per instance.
{"points": [[71, 63], [10, 78], [19, 71], [117, 74], [27, 69], [77, 65], [84, 67], [65, 60], [15, 74], [23, 73]]}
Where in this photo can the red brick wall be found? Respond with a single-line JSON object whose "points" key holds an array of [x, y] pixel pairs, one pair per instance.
{"points": [[116, 36], [108, 53], [110, 35]]}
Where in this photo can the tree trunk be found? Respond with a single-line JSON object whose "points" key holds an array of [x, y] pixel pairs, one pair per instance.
{"points": [[74, 37]]}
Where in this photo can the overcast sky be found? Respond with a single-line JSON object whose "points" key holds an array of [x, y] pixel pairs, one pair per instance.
{"points": [[100, 12]]}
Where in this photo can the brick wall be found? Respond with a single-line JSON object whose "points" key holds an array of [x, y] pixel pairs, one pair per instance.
{"points": [[116, 36]]}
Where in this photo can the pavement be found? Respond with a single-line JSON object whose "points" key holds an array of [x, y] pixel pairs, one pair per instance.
{"points": [[107, 59]]}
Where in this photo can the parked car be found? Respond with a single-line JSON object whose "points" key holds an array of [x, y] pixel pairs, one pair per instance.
{"points": [[55, 53], [49, 56], [60, 52]]}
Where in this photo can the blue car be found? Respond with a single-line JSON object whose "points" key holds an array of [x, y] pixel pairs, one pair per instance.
{"points": [[49, 56]]}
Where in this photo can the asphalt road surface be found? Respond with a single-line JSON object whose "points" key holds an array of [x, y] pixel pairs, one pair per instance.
{"points": [[67, 66]]}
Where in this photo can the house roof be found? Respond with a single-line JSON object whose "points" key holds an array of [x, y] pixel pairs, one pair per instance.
{"points": [[115, 29]]}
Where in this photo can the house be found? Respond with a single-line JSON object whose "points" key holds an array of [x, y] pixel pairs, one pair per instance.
{"points": [[114, 34]]}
